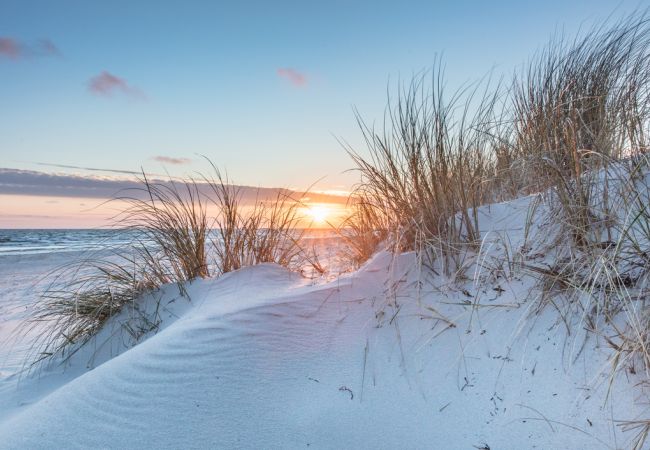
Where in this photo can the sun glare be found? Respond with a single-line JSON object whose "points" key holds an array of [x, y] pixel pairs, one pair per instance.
{"points": [[318, 213]]}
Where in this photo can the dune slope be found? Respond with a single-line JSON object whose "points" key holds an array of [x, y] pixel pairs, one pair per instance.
{"points": [[262, 358]]}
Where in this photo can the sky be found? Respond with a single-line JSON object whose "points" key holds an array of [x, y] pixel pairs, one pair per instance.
{"points": [[266, 90]]}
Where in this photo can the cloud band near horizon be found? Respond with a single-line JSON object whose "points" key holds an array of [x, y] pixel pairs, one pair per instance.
{"points": [[35, 183]]}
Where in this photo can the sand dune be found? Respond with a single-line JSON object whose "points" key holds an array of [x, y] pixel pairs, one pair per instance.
{"points": [[262, 358]]}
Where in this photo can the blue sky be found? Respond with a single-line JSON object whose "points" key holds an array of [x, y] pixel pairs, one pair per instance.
{"points": [[262, 88]]}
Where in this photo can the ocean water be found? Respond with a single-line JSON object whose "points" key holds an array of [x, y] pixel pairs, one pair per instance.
{"points": [[34, 242], [40, 242]]}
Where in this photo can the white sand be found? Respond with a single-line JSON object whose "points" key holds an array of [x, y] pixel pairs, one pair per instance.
{"points": [[263, 358]]}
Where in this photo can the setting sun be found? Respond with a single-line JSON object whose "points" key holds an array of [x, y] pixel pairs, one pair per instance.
{"points": [[318, 213]]}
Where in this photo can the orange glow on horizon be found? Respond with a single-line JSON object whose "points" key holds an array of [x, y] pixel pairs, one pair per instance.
{"points": [[31, 211], [26, 211]]}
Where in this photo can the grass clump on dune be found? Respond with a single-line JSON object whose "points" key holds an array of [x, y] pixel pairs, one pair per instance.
{"points": [[169, 225], [264, 232], [363, 230], [572, 125], [580, 106], [430, 167], [175, 240], [580, 120], [172, 222], [81, 299]]}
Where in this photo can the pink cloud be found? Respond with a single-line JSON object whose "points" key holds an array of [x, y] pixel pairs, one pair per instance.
{"points": [[9, 48], [170, 160], [293, 76], [14, 49], [47, 47], [107, 84]]}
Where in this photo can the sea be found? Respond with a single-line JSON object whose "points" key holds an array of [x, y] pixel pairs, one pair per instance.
{"points": [[39, 242]]}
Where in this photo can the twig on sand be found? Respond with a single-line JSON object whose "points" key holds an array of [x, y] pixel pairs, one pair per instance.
{"points": [[541, 415]]}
